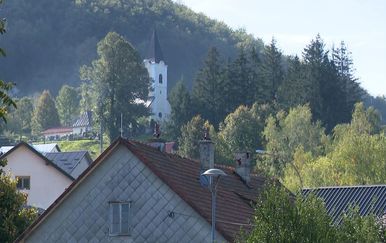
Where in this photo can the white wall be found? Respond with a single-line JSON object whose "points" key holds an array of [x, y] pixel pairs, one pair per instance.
{"points": [[46, 182]]}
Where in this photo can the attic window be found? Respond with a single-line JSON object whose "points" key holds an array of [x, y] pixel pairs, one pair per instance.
{"points": [[119, 218], [23, 182], [160, 78]]}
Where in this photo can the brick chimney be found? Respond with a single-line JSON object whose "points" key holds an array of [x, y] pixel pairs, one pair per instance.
{"points": [[243, 166]]}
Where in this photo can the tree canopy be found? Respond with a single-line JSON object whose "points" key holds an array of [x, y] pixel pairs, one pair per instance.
{"points": [[119, 81]]}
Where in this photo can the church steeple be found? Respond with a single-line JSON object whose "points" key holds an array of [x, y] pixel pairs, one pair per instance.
{"points": [[155, 52]]}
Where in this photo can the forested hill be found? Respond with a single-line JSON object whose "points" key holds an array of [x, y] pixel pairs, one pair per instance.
{"points": [[47, 41]]}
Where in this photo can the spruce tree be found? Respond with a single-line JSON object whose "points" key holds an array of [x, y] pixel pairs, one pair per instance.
{"points": [[272, 72], [181, 109], [241, 84], [352, 92], [295, 88], [208, 90]]}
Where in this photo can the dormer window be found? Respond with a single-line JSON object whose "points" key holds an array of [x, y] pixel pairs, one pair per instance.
{"points": [[160, 78]]}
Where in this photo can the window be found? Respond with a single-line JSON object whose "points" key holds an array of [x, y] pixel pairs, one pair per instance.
{"points": [[160, 78], [160, 115], [119, 218], [23, 182]]}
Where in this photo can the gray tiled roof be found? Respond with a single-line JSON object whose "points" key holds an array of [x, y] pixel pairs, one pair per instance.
{"points": [[84, 120], [67, 161], [370, 199], [155, 52]]}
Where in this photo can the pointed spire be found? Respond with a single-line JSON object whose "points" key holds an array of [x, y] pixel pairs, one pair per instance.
{"points": [[155, 52]]}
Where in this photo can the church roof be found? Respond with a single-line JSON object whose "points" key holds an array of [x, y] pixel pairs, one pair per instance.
{"points": [[155, 52]]}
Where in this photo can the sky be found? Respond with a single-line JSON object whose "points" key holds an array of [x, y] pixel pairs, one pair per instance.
{"points": [[361, 24]]}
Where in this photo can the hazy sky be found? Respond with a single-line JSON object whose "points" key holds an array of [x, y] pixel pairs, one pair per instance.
{"points": [[293, 23]]}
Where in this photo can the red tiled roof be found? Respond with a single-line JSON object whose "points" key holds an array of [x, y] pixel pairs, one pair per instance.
{"points": [[234, 197], [57, 130]]}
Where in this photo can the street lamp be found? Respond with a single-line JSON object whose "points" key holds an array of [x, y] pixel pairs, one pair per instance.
{"points": [[214, 176]]}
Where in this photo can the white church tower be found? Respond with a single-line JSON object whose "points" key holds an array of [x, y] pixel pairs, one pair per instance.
{"points": [[158, 72]]}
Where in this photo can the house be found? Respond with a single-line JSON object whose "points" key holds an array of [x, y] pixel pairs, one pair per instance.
{"points": [[134, 192], [370, 199], [57, 133], [83, 124], [43, 176]]}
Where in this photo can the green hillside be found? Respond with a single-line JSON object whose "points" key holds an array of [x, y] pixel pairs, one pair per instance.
{"points": [[47, 41]]}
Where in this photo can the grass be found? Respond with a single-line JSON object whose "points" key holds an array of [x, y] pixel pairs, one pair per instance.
{"points": [[92, 146]]}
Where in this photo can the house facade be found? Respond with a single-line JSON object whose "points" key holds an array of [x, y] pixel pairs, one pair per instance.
{"points": [[38, 177], [136, 193], [43, 176]]}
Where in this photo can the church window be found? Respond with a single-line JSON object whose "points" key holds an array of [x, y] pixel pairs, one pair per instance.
{"points": [[160, 78], [160, 115]]}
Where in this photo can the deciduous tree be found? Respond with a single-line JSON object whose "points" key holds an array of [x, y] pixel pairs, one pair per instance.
{"points": [[67, 103], [119, 80], [45, 114]]}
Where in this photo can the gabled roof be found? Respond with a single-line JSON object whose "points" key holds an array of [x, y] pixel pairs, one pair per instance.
{"points": [[47, 147], [85, 120], [56, 130], [43, 148], [370, 199], [68, 160], [155, 52], [49, 162], [234, 198]]}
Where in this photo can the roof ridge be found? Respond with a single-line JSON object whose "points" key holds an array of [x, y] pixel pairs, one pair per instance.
{"points": [[346, 186]]}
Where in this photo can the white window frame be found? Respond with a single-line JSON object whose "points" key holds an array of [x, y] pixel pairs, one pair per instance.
{"points": [[21, 179], [121, 231]]}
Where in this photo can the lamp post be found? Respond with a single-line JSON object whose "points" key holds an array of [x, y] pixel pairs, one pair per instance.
{"points": [[214, 176]]}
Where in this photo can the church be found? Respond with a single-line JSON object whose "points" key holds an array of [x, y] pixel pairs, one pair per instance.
{"points": [[158, 73]]}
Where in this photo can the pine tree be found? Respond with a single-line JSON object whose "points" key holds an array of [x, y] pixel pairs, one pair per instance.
{"points": [[208, 90], [45, 115]]}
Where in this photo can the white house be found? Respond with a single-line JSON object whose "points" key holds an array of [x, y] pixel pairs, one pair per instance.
{"points": [[136, 193], [158, 72], [43, 179], [83, 124]]}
